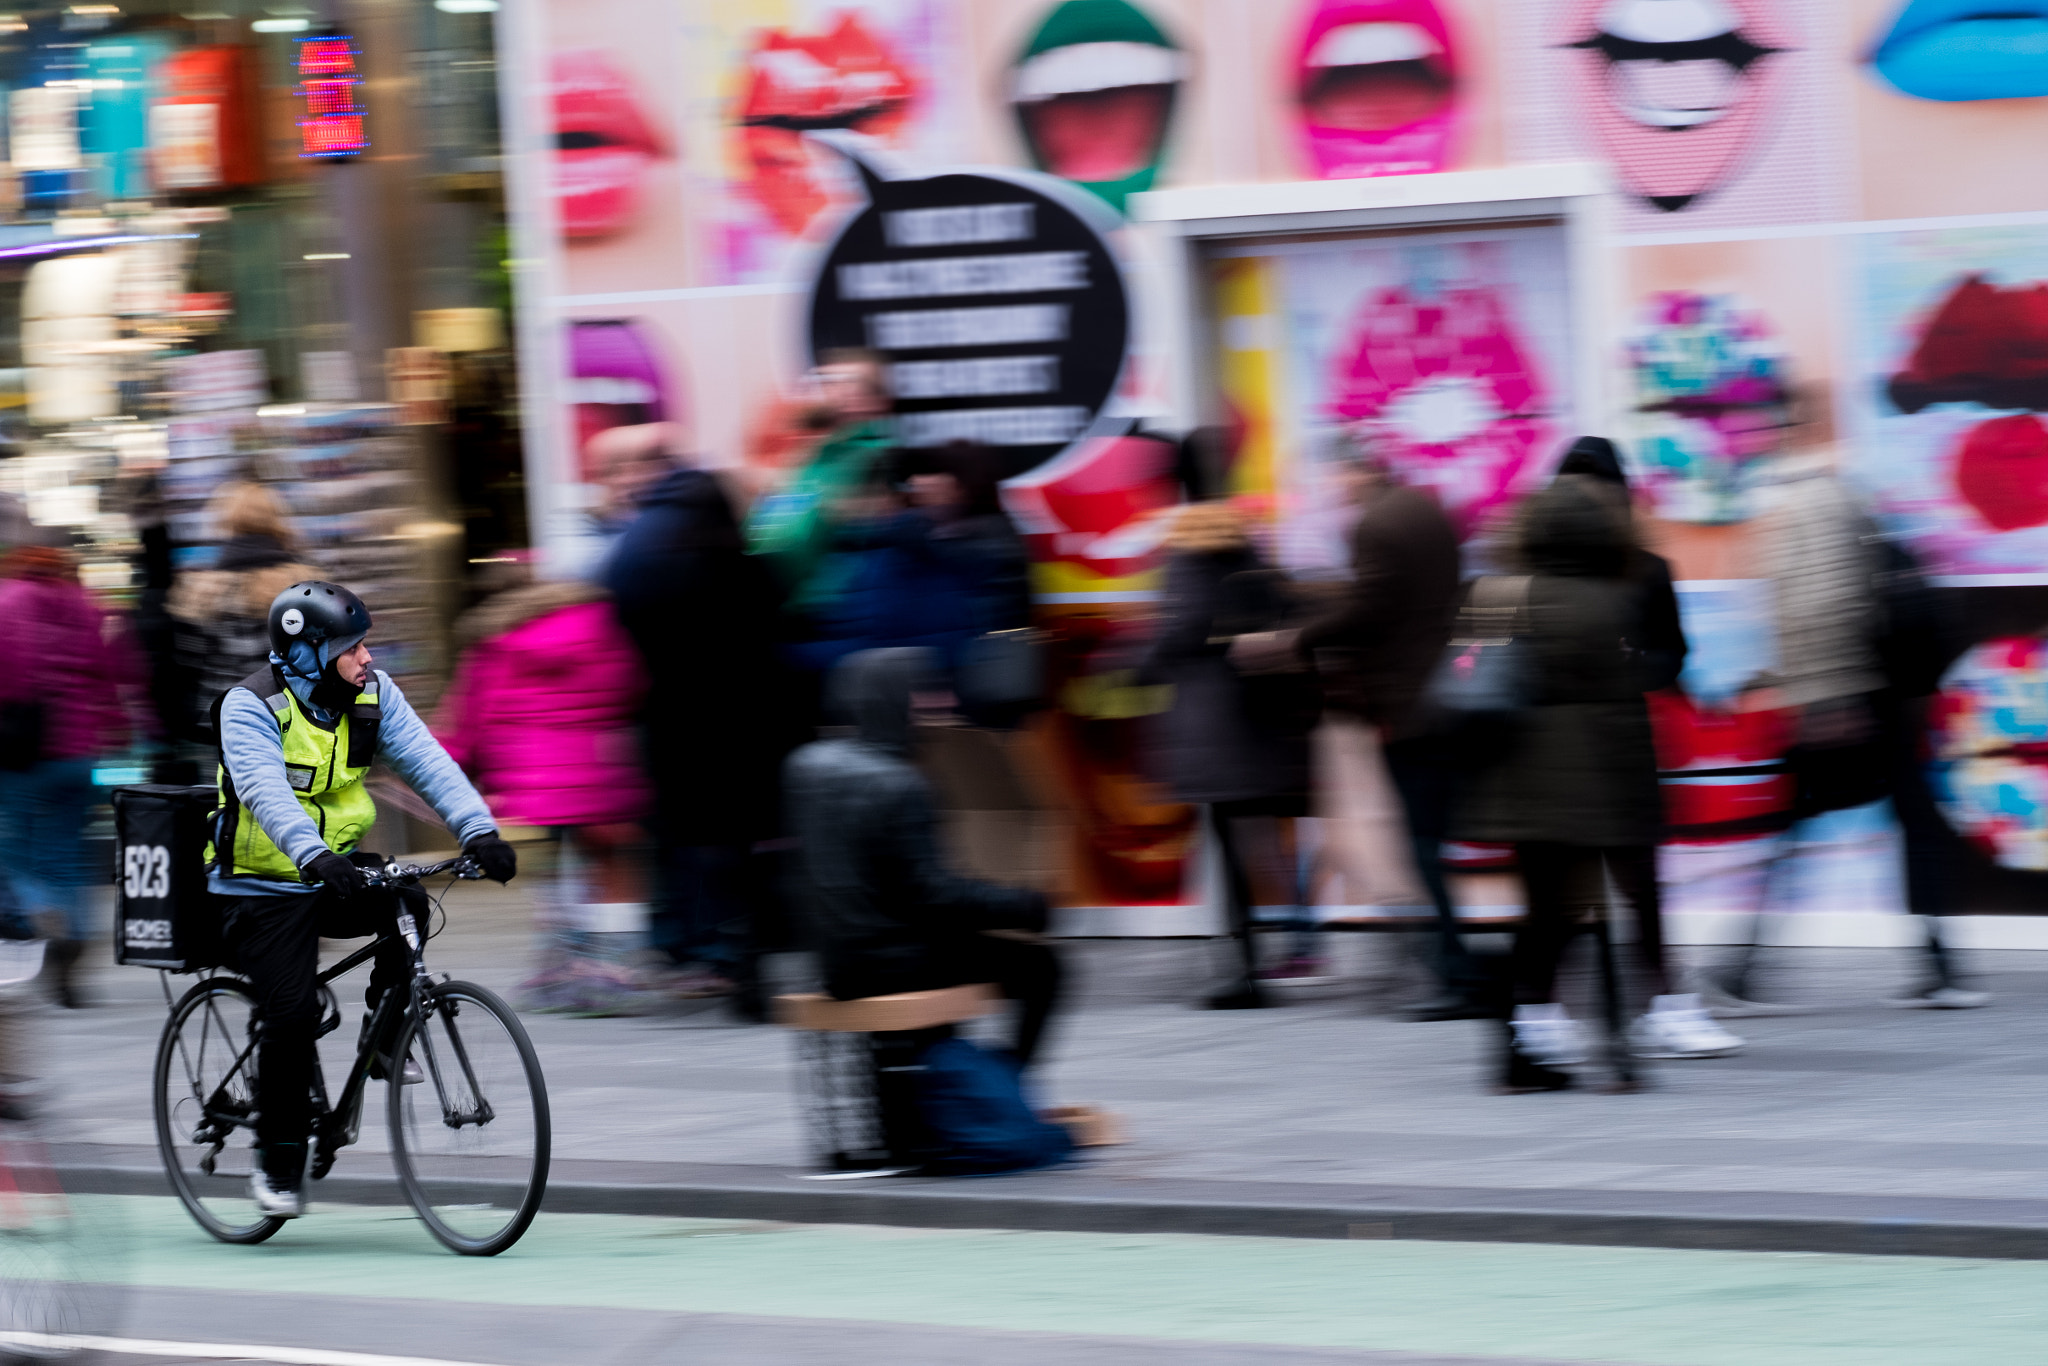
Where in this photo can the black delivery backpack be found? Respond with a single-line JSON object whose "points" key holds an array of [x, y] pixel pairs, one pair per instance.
{"points": [[164, 917]]}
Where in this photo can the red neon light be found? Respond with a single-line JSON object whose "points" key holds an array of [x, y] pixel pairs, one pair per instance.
{"points": [[333, 126], [326, 56]]}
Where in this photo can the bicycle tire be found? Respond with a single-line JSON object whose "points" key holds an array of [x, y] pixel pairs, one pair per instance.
{"points": [[475, 1202], [224, 1217]]}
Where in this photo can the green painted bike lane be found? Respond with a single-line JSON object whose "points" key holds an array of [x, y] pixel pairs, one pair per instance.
{"points": [[1647, 1306]]}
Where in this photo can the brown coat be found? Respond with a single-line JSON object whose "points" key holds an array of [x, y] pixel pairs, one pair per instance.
{"points": [[1377, 645]]}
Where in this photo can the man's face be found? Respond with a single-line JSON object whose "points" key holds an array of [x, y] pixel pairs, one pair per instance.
{"points": [[354, 665], [853, 390]]}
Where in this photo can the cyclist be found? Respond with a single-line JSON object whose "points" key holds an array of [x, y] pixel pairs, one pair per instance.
{"points": [[296, 739]]}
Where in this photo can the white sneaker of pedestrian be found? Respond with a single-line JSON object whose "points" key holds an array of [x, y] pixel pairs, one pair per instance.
{"points": [[274, 1203], [1944, 998], [1545, 1034], [20, 960], [1678, 1027]]}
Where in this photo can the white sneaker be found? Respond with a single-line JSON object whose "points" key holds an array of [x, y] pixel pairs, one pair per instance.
{"points": [[20, 960], [275, 1204], [1943, 998], [1678, 1027], [1545, 1034]]}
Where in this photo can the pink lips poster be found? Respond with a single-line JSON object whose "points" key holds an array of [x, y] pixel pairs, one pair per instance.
{"points": [[1452, 350], [1712, 113], [1949, 414]]}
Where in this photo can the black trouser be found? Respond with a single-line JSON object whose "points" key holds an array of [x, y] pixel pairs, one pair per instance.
{"points": [[1026, 972], [276, 943], [1559, 881], [1429, 774]]}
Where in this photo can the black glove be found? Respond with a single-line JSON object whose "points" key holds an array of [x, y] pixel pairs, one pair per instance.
{"points": [[497, 858], [340, 876]]}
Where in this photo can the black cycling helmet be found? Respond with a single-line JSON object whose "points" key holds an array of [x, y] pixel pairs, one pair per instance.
{"points": [[317, 614]]}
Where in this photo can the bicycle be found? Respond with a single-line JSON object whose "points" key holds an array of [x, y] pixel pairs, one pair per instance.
{"points": [[470, 1138]]}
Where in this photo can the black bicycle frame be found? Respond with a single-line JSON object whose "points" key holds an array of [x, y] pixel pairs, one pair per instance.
{"points": [[336, 1125]]}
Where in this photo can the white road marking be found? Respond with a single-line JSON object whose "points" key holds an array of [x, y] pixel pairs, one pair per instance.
{"points": [[214, 1351]]}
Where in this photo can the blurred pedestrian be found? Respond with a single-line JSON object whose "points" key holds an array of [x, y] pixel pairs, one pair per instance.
{"points": [[1574, 786], [937, 564], [793, 527], [629, 462], [220, 615], [62, 707], [1233, 742], [1856, 724], [1673, 1026], [717, 721], [542, 714], [884, 912], [1374, 649]]}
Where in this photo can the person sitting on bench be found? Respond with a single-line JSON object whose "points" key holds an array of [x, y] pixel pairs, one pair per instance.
{"points": [[878, 902]]}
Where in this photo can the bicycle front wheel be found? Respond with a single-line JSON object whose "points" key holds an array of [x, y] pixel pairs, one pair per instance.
{"points": [[205, 1104], [471, 1138]]}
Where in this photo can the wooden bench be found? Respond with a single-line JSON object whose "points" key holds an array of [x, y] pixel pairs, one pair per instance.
{"points": [[855, 1062]]}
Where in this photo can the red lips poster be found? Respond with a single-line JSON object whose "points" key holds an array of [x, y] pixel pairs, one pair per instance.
{"points": [[1948, 420]]}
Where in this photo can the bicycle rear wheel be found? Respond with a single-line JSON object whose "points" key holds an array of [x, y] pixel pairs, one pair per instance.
{"points": [[205, 1102], [471, 1141]]}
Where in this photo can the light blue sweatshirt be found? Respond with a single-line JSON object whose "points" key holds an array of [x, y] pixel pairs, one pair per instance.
{"points": [[252, 747]]}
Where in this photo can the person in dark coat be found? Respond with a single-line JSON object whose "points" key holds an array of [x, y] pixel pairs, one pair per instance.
{"points": [[880, 906], [1374, 649], [718, 719], [1675, 1025], [1232, 743], [1574, 787]]}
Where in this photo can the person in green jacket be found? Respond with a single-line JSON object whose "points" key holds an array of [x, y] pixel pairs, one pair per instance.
{"points": [[793, 527]]}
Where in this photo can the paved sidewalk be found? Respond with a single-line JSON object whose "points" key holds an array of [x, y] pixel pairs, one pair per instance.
{"points": [[1857, 1128]]}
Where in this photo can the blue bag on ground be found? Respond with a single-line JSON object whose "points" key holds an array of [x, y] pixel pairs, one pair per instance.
{"points": [[974, 1106]]}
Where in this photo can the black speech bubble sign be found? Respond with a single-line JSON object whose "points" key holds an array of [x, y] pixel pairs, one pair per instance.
{"points": [[992, 295]]}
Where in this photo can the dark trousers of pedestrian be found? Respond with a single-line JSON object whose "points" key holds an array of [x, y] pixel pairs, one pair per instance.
{"points": [[701, 915], [1429, 775], [1927, 846], [276, 944], [1239, 897], [1560, 882], [1024, 968]]}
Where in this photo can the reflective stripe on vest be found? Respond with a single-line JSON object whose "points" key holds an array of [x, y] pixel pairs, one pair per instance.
{"points": [[326, 774]]}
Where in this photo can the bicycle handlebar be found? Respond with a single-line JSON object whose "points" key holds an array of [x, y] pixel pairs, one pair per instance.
{"points": [[405, 874]]}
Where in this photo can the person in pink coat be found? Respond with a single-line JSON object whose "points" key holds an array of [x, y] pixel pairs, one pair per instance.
{"points": [[541, 714], [64, 667]]}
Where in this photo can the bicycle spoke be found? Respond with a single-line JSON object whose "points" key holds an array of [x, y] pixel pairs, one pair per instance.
{"points": [[473, 1167], [204, 1101]]}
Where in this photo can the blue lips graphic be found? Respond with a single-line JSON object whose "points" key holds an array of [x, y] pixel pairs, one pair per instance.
{"points": [[1967, 50]]}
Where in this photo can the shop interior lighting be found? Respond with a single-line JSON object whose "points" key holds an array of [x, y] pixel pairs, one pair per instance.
{"points": [[282, 25], [13, 23], [466, 6], [325, 256]]}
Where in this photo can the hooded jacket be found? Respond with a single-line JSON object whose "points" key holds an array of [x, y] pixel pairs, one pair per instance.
{"points": [[877, 899], [542, 707]]}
